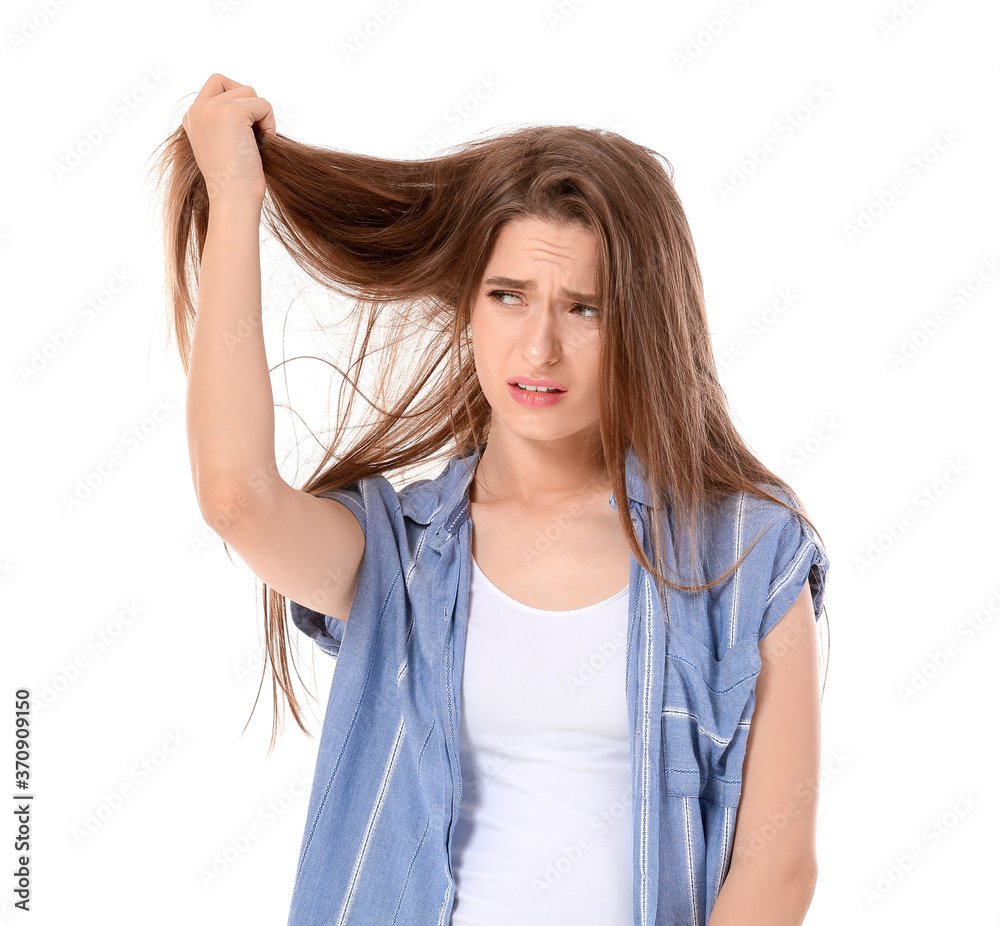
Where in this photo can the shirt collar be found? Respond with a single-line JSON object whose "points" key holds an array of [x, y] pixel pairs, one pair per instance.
{"points": [[445, 500]]}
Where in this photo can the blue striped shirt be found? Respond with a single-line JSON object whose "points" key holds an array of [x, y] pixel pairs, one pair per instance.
{"points": [[386, 790]]}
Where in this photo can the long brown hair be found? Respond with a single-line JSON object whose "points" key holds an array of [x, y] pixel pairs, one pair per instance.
{"points": [[408, 242]]}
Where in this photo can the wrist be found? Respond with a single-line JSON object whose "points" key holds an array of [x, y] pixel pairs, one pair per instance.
{"points": [[245, 202], [232, 207]]}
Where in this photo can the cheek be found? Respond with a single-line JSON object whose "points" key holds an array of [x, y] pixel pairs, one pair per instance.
{"points": [[478, 327], [592, 365], [484, 356], [480, 341], [487, 341]]}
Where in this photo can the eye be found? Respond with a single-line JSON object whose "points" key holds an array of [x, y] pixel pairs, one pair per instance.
{"points": [[498, 294]]}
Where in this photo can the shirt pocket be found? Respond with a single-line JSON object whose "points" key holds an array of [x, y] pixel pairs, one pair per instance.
{"points": [[707, 704]]}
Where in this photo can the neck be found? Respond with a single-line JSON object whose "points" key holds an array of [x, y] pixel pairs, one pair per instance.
{"points": [[539, 472]]}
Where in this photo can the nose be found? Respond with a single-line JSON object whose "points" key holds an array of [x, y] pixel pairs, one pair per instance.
{"points": [[541, 339]]}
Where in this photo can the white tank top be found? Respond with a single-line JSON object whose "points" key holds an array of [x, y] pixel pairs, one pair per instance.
{"points": [[544, 835]]}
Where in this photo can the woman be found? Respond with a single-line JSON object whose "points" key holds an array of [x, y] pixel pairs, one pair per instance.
{"points": [[548, 656]]}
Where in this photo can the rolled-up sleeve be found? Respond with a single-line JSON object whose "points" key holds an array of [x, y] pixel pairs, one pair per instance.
{"points": [[797, 557]]}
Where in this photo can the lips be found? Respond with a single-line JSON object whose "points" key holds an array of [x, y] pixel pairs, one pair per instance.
{"points": [[531, 381], [531, 398]]}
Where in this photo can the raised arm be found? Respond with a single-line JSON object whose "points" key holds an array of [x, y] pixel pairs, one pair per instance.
{"points": [[308, 549]]}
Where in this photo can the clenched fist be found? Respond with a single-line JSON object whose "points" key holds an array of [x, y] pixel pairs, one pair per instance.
{"points": [[220, 127]]}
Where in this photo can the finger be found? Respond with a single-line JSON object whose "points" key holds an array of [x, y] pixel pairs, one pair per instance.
{"points": [[257, 111], [216, 84], [254, 109], [265, 118], [235, 93]]}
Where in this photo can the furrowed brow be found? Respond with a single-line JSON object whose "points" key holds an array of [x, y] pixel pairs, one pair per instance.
{"points": [[529, 285]]}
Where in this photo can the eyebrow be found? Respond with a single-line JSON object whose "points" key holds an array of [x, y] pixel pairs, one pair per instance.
{"points": [[529, 285]]}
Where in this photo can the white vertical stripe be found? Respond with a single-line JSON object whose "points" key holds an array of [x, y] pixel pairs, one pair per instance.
{"points": [[734, 611], [444, 906], [647, 765], [370, 826], [689, 858], [729, 815]]}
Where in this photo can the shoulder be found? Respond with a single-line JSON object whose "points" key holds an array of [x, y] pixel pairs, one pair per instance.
{"points": [[778, 552], [379, 504], [748, 508], [735, 523], [370, 499]]}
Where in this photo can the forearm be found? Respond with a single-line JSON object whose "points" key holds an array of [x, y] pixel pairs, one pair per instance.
{"points": [[758, 894], [230, 411]]}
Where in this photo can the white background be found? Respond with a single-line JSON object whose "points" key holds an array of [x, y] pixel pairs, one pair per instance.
{"points": [[892, 458]]}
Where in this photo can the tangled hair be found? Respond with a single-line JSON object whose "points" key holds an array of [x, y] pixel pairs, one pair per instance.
{"points": [[408, 241]]}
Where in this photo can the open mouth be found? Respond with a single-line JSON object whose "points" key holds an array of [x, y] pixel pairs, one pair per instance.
{"points": [[538, 397], [542, 389]]}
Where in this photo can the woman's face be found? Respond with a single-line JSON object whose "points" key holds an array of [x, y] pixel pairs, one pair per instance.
{"points": [[535, 316]]}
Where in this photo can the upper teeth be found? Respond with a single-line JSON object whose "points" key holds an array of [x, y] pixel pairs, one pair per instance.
{"points": [[537, 388]]}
